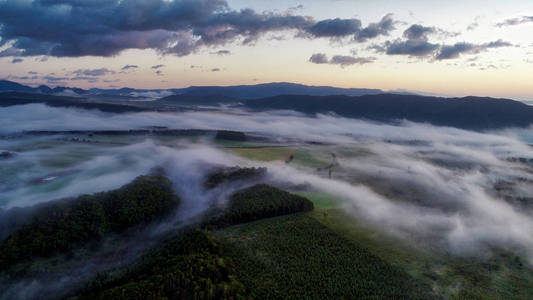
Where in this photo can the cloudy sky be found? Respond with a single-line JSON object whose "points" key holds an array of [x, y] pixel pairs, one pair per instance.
{"points": [[468, 47]]}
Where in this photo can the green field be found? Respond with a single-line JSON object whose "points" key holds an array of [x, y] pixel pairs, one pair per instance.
{"points": [[321, 200], [301, 156], [501, 276], [263, 154]]}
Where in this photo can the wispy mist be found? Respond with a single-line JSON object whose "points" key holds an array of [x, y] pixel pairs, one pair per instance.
{"points": [[459, 191]]}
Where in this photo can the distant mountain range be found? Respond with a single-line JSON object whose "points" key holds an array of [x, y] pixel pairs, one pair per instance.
{"points": [[473, 113], [18, 98], [239, 91], [272, 89], [10, 86]]}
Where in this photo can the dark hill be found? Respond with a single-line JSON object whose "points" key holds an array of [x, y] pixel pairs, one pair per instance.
{"points": [[272, 89], [57, 226], [16, 98], [237, 91], [255, 203], [468, 113], [10, 86], [208, 100], [474, 113]]}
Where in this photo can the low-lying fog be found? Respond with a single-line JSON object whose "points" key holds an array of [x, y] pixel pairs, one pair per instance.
{"points": [[463, 191]]}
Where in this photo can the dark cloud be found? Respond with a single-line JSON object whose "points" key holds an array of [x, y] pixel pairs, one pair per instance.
{"points": [[341, 28], [374, 30], [335, 28], [414, 48], [129, 67], [73, 28], [249, 25], [418, 32], [105, 28], [454, 51], [51, 78], [416, 45], [157, 67], [345, 61], [11, 77], [93, 72], [16, 60], [496, 44], [319, 58], [159, 73], [215, 70], [33, 73], [516, 21], [341, 60], [222, 52], [85, 78]]}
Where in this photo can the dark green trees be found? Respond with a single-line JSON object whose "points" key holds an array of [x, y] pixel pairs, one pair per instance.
{"points": [[227, 175], [258, 202], [189, 266], [57, 226]]}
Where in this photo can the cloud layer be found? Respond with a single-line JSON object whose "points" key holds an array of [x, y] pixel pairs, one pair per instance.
{"points": [[416, 44], [516, 21], [340, 28], [454, 189], [454, 51], [74, 28], [429, 186], [105, 28], [341, 60]]}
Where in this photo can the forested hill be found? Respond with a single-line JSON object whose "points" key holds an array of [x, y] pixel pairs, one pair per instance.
{"points": [[17, 98], [255, 91], [264, 90], [473, 113]]}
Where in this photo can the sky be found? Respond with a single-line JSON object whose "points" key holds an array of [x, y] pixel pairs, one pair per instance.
{"points": [[452, 48]]}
